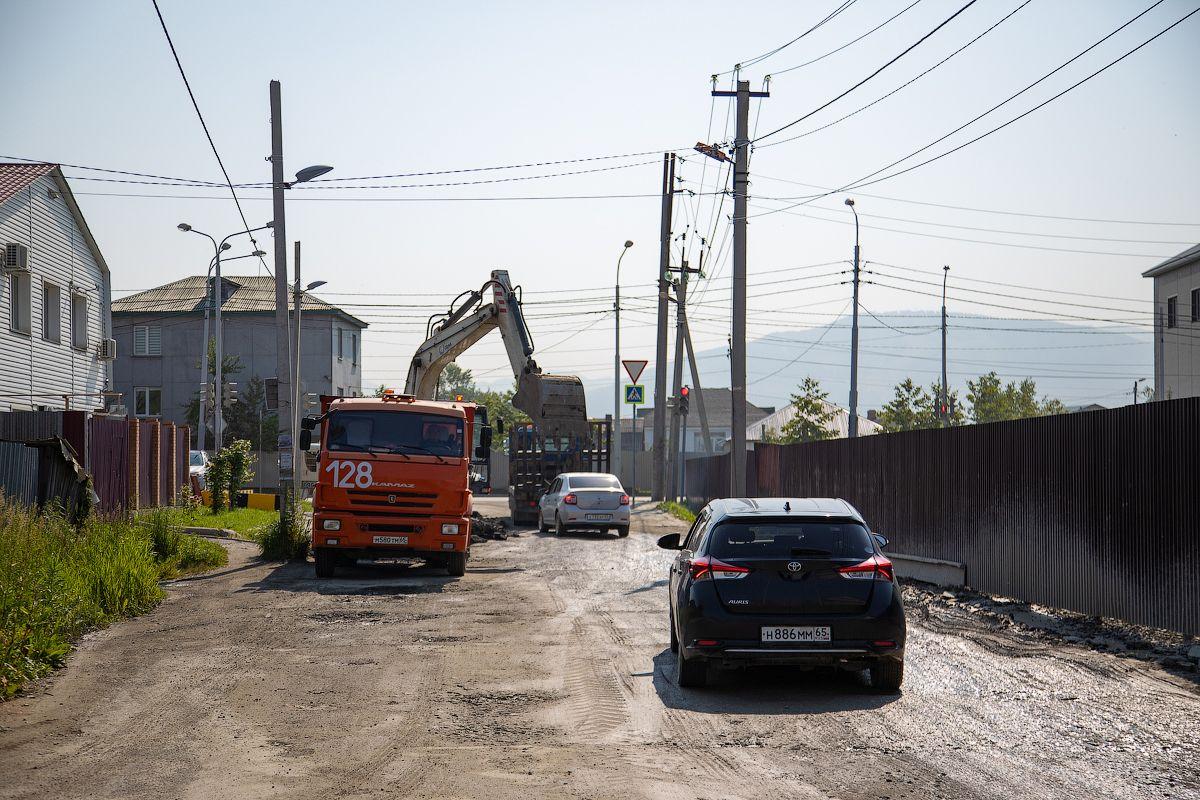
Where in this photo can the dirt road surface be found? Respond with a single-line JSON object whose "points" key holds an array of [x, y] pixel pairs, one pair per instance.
{"points": [[544, 674]]}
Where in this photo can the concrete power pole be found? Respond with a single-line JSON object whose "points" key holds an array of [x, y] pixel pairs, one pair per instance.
{"points": [[673, 449], [691, 357], [944, 400], [283, 341], [657, 481], [852, 431], [737, 383]]}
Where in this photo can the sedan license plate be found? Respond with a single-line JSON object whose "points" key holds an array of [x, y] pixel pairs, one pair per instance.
{"points": [[598, 516], [792, 633], [390, 539]]}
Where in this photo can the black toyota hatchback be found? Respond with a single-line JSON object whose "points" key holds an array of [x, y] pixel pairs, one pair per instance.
{"points": [[799, 581]]}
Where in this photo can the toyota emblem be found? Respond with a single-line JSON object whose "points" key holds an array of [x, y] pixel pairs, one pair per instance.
{"points": [[795, 566], [391, 498]]}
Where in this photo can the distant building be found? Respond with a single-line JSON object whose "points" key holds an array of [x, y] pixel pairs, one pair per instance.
{"points": [[1086, 407], [55, 328], [160, 336], [1177, 325], [718, 403], [840, 424]]}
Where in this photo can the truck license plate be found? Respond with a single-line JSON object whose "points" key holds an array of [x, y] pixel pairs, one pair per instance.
{"points": [[791, 633], [390, 539], [597, 516]]}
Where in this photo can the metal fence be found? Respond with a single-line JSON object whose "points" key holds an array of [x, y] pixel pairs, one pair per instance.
{"points": [[1097, 512]]}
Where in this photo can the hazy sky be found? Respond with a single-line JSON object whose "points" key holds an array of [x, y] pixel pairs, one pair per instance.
{"points": [[386, 88]]}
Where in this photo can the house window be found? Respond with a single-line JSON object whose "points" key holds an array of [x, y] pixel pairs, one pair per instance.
{"points": [[79, 321], [19, 300], [147, 401], [354, 348], [340, 349], [147, 340], [51, 313], [1195, 305], [1172, 312], [340, 392]]}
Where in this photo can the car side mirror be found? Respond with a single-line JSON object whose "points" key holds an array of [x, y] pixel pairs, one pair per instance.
{"points": [[482, 450], [879, 537], [670, 542], [305, 439], [308, 423]]}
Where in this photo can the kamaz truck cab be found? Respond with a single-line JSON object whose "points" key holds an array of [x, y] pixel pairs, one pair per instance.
{"points": [[393, 480]]}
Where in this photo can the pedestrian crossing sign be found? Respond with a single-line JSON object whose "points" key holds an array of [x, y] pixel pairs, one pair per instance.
{"points": [[635, 394]]}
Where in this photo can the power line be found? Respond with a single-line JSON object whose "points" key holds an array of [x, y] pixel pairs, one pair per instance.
{"points": [[498, 198], [204, 125], [904, 85], [752, 61], [893, 60], [779, 72], [957, 278]]}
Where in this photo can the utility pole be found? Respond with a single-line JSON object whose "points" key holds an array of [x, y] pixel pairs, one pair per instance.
{"points": [[741, 184], [616, 465], [283, 341], [691, 357], [944, 400], [658, 481], [297, 299], [201, 432], [676, 383], [853, 420]]}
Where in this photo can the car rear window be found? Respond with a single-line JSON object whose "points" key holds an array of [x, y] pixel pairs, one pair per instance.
{"points": [[594, 482], [789, 538]]}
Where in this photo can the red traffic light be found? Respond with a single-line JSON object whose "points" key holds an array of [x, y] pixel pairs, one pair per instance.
{"points": [[684, 391]]}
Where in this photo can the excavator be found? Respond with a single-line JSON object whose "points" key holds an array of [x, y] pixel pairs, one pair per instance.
{"points": [[555, 403]]}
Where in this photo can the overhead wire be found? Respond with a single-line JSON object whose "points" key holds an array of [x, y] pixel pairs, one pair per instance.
{"points": [[752, 61], [778, 72]]}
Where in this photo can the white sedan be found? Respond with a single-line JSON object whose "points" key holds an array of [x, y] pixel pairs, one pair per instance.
{"points": [[197, 464], [584, 500]]}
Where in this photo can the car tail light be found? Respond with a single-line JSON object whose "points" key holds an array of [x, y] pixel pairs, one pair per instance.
{"points": [[875, 568], [624, 499], [707, 642], [705, 568], [571, 499]]}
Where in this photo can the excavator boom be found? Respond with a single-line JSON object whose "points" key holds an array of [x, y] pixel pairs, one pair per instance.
{"points": [[553, 402]]}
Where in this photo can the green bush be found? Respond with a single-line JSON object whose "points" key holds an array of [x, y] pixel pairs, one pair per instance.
{"points": [[679, 511], [279, 542]]}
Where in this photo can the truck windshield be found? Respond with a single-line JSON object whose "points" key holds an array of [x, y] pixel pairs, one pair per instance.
{"points": [[395, 432]]}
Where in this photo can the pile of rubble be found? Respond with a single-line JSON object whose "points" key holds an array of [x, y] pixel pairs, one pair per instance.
{"points": [[485, 528]]}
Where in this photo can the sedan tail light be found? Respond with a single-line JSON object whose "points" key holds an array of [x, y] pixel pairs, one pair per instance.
{"points": [[624, 499], [571, 499], [705, 568], [875, 568]]}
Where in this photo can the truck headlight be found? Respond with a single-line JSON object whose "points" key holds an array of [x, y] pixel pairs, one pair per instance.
{"points": [[332, 524], [449, 528]]}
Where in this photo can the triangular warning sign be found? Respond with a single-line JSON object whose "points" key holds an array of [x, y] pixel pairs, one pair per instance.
{"points": [[634, 368]]}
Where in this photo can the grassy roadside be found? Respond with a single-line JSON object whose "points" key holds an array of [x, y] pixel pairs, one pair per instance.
{"points": [[678, 511], [247, 523], [57, 581]]}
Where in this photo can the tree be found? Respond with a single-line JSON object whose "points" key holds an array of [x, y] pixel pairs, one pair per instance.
{"points": [[249, 419], [912, 408], [455, 381], [231, 365], [499, 407], [813, 415], [992, 401]]}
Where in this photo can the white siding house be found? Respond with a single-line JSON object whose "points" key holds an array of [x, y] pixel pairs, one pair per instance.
{"points": [[55, 295]]}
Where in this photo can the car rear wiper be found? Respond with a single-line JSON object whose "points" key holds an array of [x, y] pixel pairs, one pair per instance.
{"points": [[424, 450]]}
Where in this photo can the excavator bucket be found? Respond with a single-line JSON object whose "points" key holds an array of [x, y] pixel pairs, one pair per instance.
{"points": [[554, 402]]}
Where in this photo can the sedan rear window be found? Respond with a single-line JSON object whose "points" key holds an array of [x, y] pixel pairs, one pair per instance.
{"points": [[788, 539], [594, 482]]}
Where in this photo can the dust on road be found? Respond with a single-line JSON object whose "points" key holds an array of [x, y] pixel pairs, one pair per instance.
{"points": [[542, 673]]}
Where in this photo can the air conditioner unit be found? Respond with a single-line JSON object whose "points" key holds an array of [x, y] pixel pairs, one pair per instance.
{"points": [[108, 349], [16, 258]]}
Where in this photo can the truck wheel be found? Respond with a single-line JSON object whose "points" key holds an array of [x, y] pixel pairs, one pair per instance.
{"points": [[456, 565], [326, 561], [622, 531], [559, 528], [887, 675]]}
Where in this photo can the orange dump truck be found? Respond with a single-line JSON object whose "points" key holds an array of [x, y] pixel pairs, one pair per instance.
{"points": [[394, 480]]}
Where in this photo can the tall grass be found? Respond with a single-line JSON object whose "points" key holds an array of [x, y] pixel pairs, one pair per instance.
{"points": [[676, 510], [57, 581], [279, 542]]}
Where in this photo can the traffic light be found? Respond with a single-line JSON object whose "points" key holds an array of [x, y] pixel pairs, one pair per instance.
{"points": [[684, 399], [206, 394], [229, 395]]}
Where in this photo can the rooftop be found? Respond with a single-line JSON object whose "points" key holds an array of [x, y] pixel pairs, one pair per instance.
{"points": [[15, 177], [242, 293], [840, 423], [783, 506], [1189, 256]]}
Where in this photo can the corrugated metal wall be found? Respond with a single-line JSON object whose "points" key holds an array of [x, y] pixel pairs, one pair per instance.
{"points": [[108, 454], [1096, 512], [18, 472]]}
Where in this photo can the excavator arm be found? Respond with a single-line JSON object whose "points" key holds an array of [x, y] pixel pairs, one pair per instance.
{"points": [[554, 402]]}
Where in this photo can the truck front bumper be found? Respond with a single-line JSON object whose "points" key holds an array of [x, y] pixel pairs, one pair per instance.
{"points": [[391, 535]]}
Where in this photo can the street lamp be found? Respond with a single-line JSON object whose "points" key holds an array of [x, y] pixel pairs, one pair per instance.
{"points": [[297, 303], [218, 300], [1135, 388], [616, 456], [853, 421]]}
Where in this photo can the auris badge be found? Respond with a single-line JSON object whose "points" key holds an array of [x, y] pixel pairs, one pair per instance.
{"points": [[795, 566]]}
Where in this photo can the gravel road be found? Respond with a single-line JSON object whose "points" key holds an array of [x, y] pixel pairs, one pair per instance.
{"points": [[541, 675]]}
